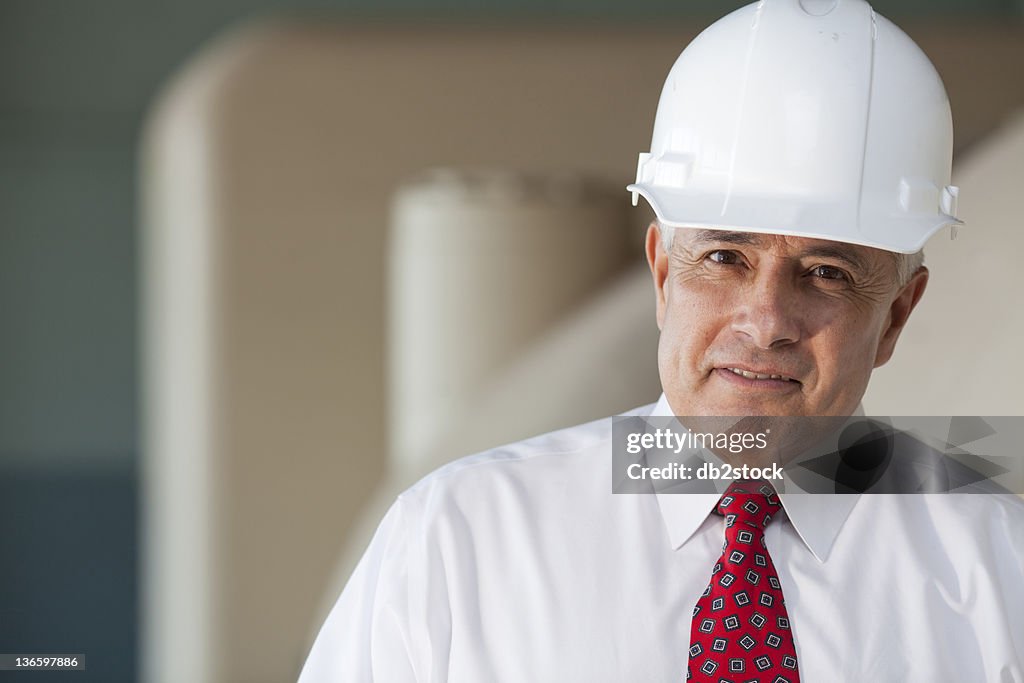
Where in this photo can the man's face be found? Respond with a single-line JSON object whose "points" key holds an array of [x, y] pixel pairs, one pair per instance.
{"points": [[756, 324]]}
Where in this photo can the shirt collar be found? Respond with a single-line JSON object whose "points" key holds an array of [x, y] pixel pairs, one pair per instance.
{"points": [[816, 518]]}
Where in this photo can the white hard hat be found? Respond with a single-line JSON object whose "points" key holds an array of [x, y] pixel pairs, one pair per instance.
{"points": [[816, 118]]}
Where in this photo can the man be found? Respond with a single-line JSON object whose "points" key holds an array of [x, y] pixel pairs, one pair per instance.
{"points": [[800, 160]]}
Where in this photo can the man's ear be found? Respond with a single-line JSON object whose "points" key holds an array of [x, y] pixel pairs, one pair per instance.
{"points": [[899, 313], [657, 259]]}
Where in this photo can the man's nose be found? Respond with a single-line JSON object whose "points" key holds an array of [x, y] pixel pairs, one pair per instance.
{"points": [[770, 314]]}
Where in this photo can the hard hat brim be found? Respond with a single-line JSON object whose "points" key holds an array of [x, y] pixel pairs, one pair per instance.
{"points": [[834, 221]]}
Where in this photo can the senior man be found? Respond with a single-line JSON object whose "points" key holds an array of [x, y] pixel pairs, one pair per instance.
{"points": [[800, 160]]}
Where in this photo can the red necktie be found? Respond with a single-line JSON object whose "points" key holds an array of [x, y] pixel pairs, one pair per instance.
{"points": [[740, 631]]}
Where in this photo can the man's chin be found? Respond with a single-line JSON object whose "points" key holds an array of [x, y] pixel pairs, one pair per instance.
{"points": [[748, 406]]}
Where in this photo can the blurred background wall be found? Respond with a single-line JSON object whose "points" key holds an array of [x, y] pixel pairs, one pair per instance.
{"points": [[77, 80]]}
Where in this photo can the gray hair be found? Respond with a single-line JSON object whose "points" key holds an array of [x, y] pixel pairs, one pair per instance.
{"points": [[906, 264]]}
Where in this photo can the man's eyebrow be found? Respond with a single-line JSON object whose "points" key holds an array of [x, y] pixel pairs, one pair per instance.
{"points": [[839, 252], [727, 236], [848, 256]]}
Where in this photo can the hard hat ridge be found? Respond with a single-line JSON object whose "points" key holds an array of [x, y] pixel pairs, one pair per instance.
{"points": [[816, 118]]}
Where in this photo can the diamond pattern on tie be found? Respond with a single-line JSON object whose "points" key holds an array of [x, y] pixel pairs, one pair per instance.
{"points": [[740, 631]]}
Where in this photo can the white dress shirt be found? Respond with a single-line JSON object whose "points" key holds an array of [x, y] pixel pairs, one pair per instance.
{"points": [[519, 564]]}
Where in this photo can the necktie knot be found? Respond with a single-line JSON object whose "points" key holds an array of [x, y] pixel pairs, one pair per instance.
{"points": [[749, 503]]}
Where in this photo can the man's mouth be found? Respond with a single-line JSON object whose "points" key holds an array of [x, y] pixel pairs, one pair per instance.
{"points": [[761, 376]]}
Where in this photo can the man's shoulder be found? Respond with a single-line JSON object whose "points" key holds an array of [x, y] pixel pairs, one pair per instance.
{"points": [[984, 498], [1000, 507], [554, 457], [979, 517]]}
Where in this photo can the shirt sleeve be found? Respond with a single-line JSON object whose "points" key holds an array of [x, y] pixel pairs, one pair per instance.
{"points": [[365, 636]]}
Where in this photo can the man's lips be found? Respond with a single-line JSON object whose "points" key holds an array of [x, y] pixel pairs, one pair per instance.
{"points": [[760, 374]]}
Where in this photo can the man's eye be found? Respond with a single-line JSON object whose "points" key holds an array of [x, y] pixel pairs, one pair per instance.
{"points": [[829, 273], [723, 256]]}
